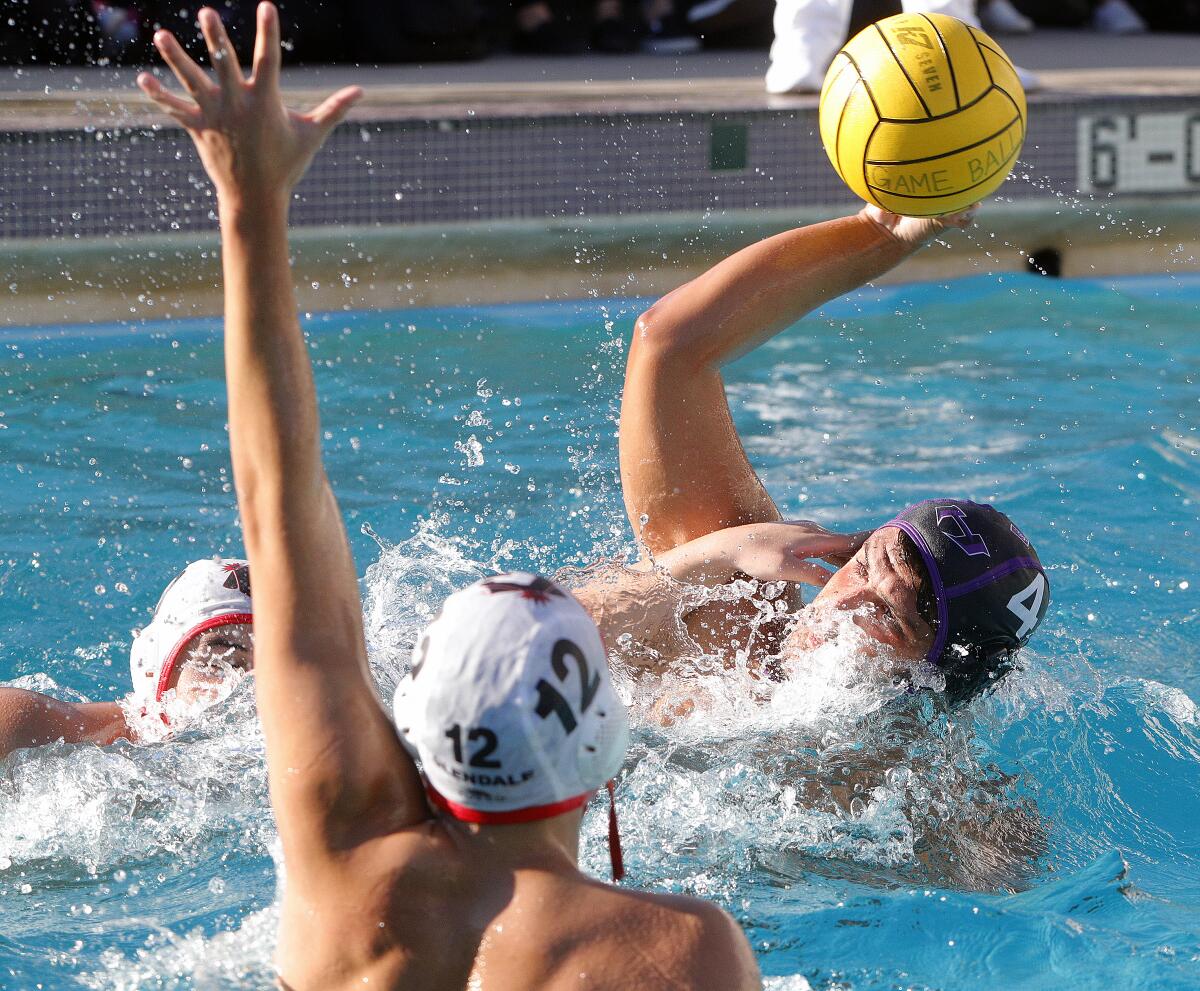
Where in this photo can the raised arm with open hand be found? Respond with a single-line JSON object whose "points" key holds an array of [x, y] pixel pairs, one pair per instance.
{"points": [[252, 146], [338, 773], [381, 893]]}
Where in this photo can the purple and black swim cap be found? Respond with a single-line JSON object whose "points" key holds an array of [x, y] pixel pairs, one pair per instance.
{"points": [[988, 584]]}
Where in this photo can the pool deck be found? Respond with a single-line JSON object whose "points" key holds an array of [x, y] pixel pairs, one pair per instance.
{"points": [[1070, 64], [523, 178]]}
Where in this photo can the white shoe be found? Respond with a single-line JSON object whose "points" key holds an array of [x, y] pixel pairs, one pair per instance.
{"points": [[1001, 17], [808, 34], [1030, 81], [1117, 17]]}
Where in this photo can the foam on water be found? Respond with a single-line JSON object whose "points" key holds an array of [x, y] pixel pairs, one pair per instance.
{"points": [[104, 807]]}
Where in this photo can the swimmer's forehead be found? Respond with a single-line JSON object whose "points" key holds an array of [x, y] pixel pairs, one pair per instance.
{"points": [[242, 633], [235, 636], [888, 566], [885, 549]]}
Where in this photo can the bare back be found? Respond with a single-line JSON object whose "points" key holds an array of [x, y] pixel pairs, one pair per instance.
{"points": [[379, 893], [422, 910]]}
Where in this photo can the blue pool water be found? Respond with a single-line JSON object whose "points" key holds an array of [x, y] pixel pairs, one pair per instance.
{"points": [[466, 439]]}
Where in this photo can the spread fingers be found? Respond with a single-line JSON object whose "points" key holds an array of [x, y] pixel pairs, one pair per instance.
{"points": [[191, 77], [220, 50], [266, 46], [334, 108], [184, 111]]}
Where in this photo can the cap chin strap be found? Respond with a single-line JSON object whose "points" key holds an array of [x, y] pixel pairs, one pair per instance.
{"points": [[515, 816], [615, 856]]}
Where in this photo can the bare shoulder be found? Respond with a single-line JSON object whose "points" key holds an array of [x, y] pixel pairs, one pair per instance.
{"points": [[693, 942], [720, 953], [390, 903]]}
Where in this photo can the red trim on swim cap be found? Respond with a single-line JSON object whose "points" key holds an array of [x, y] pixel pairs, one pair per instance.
{"points": [[226, 619], [508, 817]]}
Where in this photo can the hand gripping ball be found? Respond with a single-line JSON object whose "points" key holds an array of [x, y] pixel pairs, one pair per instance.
{"points": [[922, 114]]}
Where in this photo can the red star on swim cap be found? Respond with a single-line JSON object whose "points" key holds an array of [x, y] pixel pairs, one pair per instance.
{"points": [[239, 577], [539, 589]]}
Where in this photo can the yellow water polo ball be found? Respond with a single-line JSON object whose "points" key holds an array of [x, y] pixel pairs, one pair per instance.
{"points": [[922, 114]]}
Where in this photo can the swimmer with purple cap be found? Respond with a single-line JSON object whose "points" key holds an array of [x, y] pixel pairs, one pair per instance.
{"points": [[948, 581]]}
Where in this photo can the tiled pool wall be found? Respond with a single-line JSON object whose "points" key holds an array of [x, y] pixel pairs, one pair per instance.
{"points": [[72, 183]]}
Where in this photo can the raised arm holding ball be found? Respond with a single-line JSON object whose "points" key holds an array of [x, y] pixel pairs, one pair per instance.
{"points": [[921, 113]]}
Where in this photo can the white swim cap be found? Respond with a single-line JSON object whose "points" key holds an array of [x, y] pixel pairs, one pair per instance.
{"points": [[205, 595], [509, 705]]}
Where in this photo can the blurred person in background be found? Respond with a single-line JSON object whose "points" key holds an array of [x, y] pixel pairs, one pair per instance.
{"points": [[732, 23], [571, 27], [119, 32], [1181, 15], [1113, 16], [1106, 16], [809, 33], [1001, 17]]}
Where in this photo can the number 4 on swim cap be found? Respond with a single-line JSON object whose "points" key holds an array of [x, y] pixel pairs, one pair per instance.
{"points": [[1026, 605]]}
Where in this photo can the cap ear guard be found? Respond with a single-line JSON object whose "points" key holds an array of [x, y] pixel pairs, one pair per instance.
{"points": [[603, 752]]}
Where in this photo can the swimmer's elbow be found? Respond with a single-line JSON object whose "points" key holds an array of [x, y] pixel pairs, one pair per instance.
{"points": [[660, 334], [30, 719], [15, 719]]}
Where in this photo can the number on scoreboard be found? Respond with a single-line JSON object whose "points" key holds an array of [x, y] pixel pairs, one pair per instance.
{"points": [[1139, 153]]}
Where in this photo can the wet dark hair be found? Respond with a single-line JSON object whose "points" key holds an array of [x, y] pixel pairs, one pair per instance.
{"points": [[926, 603], [968, 672]]}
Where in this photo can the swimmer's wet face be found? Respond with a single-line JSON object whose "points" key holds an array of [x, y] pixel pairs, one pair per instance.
{"points": [[959, 570], [885, 588], [210, 660], [204, 615]]}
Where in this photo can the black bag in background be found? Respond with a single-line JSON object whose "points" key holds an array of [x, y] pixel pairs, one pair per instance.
{"points": [[1057, 13], [414, 30], [1170, 15]]}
